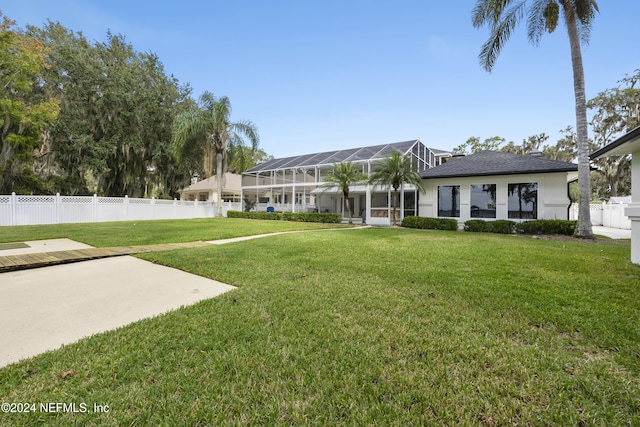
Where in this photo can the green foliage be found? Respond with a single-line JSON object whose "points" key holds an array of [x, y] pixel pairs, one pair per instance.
{"points": [[500, 226], [343, 175], [392, 172], [117, 107], [207, 132], [547, 226], [274, 216], [322, 217], [615, 112], [474, 145], [430, 223], [23, 115], [248, 204]]}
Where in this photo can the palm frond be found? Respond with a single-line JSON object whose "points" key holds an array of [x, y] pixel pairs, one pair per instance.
{"points": [[536, 21], [501, 29]]}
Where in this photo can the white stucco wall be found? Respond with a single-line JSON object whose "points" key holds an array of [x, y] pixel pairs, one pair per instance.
{"points": [[633, 210], [553, 201]]}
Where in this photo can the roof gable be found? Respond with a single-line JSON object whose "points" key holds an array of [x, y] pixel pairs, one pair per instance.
{"points": [[496, 163]]}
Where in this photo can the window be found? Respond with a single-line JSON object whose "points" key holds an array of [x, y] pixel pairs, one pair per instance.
{"points": [[483, 201], [523, 200], [202, 197], [449, 200]]}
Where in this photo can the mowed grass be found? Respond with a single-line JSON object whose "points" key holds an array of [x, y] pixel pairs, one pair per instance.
{"points": [[129, 233], [367, 327]]}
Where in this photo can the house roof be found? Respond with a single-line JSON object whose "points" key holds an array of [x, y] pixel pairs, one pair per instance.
{"points": [[331, 157], [496, 163], [230, 182], [626, 144]]}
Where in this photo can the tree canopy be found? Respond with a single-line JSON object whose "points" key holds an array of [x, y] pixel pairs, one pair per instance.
{"points": [[24, 116], [81, 117]]}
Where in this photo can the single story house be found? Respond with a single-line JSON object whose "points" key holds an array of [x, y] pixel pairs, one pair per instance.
{"points": [[494, 185], [295, 184], [207, 189], [628, 144]]}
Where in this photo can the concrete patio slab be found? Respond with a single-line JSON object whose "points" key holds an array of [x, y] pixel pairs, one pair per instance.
{"points": [[42, 309], [49, 245]]}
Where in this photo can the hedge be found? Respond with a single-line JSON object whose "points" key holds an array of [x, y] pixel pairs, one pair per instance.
{"points": [[500, 226], [323, 217], [255, 215], [538, 226], [547, 226], [430, 223]]}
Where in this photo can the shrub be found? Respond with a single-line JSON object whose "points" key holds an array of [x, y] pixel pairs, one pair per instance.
{"points": [[547, 226], [255, 215], [430, 223], [477, 226], [500, 226], [329, 218]]}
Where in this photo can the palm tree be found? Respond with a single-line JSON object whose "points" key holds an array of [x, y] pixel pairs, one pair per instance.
{"points": [[394, 171], [207, 129], [343, 175], [543, 16]]}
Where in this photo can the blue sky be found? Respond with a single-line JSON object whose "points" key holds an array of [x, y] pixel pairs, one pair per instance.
{"points": [[329, 74]]}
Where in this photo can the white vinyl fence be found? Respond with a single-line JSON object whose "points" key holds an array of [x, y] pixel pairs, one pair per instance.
{"points": [[27, 210], [605, 214]]}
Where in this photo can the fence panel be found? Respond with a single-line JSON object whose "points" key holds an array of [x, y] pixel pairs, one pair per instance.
{"points": [[607, 215], [27, 210]]}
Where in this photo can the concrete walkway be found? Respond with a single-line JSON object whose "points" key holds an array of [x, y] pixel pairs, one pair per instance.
{"points": [[612, 233]]}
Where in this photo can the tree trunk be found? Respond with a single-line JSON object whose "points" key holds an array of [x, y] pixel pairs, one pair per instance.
{"points": [[583, 228], [346, 201], [219, 176], [393, 197]]}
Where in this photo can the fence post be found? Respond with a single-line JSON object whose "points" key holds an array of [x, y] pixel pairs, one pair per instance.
{"points": [[14, 209], [95, 208], [58, 203], [126, 207], [153, 208]]}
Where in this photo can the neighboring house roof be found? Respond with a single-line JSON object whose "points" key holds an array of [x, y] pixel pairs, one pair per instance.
{"points": [[626, 144], [230, 182], [496, 163], [331, 157]]}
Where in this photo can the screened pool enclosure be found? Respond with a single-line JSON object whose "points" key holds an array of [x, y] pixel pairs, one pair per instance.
{"points": [[294, 184]]}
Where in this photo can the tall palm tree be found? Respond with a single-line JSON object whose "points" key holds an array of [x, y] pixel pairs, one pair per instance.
{"points": [[342, 175], [207, 129], [543, 16], [394, 171]]}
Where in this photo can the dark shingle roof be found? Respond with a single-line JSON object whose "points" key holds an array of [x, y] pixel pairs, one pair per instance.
{"points": [[496, 163]]}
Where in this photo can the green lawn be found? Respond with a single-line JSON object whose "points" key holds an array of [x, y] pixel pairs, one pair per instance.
{"points": [[365, 327], [104, 234]]}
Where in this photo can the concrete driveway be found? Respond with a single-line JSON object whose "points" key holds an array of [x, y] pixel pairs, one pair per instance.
{"points": [[42, 309]]}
